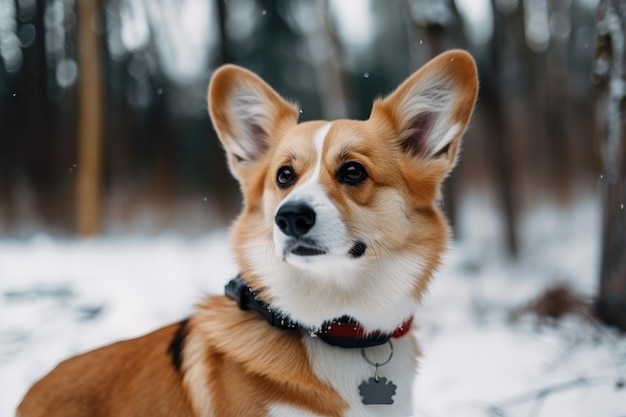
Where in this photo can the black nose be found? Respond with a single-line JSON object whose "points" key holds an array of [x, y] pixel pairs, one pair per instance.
{"points": [[295, 219]]}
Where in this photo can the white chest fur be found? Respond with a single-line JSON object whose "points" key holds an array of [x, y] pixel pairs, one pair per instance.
{"points": [[346, 369]]}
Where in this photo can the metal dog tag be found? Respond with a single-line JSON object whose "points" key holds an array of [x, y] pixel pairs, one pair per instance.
{"points": [[377, 391]]}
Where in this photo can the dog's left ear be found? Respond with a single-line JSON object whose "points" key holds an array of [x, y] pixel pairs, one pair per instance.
{"points": [[248, 115], [430, 110]]}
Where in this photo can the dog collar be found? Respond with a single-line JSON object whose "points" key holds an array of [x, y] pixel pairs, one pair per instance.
{"points": [[343, 332]]}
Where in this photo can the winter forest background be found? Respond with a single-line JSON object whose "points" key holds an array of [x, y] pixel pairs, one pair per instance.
{"points": [[148, 64], [104, 133]]}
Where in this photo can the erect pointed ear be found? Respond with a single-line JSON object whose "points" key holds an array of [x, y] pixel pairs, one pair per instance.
{"points": [[248, 115], [430, 110]]}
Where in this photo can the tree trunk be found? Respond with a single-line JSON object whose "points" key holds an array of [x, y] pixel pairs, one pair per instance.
{"points": [[500, 137], [610, 126], [558, 102], [88, 192]]}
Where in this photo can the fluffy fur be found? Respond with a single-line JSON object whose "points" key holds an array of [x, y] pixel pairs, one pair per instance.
{"points": [[369, 244]]}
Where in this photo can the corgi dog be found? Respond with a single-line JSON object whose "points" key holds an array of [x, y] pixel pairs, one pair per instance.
{"points": [[339, 236]]}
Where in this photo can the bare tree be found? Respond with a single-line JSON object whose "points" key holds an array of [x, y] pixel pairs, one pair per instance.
{"points": [[90, 119], [609, 67], [499, 139]]}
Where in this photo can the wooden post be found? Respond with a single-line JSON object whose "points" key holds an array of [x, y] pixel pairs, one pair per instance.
{"points": [[89, 164], [609, 65]]}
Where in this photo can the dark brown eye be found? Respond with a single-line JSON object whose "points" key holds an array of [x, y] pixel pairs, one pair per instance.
{"points": [[285, 177], [352, 173]]}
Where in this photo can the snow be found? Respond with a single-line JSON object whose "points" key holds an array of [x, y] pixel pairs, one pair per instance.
{"points": [[62, 297]]}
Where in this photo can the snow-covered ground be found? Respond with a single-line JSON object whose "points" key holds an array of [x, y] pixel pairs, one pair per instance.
{"points": [[62, 297]]}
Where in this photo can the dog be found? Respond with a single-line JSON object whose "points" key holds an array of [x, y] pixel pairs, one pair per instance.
{"points": [[339, 236]]}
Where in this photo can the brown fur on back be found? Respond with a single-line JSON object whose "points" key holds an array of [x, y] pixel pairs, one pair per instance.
{"points": [[138, 373]]}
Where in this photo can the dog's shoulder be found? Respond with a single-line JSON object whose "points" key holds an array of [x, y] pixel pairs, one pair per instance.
{"points": [[265, 365]]}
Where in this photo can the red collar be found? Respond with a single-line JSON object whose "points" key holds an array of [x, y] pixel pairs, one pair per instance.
{"points": [[343, 332], [350, 329]]}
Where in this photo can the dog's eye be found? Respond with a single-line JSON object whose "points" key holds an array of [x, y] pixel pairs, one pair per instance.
{"points": [[352, 173], [285, 177]]}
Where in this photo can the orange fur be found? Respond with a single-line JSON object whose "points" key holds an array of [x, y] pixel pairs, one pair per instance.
{"points": [[125, 371]]}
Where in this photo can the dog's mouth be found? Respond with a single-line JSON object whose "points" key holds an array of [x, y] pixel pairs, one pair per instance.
{"points": [[304, 247], [302, 250], [309, 248]]}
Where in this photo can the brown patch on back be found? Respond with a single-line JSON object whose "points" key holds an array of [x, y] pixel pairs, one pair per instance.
{"points": [[131, 378]]}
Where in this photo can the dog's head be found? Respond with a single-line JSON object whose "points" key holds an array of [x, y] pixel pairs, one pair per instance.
{"points": [[341, 218]]}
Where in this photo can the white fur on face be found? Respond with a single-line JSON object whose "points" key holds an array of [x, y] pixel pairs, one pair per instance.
{"points": [[328, 233]]}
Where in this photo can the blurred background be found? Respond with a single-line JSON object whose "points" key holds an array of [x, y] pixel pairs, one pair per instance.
{"points": [[104, 127]]}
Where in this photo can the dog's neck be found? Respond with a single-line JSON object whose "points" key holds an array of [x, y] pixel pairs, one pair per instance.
{"points": [[344, 332]]}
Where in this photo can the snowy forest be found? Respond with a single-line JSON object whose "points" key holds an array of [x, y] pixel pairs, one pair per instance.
{"points": [[115, 196]]}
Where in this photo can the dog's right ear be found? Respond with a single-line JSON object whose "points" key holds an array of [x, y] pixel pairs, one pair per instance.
{"points": [[248, 115]]}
